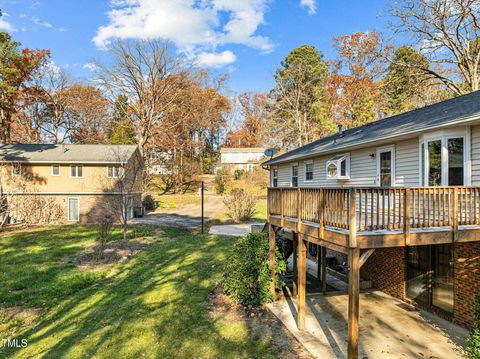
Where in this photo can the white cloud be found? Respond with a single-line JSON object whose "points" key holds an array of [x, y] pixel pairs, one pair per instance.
{"points": [[195, 26], [216, 59], [311, 6], [46, 24], [90, 66], [5, 25]]}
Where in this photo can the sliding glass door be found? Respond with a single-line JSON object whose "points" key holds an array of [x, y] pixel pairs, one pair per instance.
{"points": [[430, 276]]}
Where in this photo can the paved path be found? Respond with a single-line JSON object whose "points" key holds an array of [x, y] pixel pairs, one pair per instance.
{"points": [[188, 216], [235, 230], [389, 328]]}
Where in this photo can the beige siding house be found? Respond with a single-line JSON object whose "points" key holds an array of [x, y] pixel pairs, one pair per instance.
{"points": [[232, 159], [70, 183], [400, 198]]}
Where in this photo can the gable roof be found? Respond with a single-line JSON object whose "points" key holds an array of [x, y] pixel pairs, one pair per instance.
{"points": [[49, 153], [453, 111]]}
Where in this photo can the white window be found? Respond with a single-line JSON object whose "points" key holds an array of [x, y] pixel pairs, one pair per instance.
{"points": [[113, 171], [76, 171], [339, 167], [308, 171], [55, 170], [274, 177], [294, 181], [250, 167], [445, 158], [73, 209], [385, 166], [17, 170]]}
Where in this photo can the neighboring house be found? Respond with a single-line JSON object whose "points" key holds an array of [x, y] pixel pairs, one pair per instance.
{"points": [[246, 159], [70, 183], [400, 197]]}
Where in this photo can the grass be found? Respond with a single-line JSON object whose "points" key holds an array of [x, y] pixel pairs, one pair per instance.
{"points": [[155, 305]]}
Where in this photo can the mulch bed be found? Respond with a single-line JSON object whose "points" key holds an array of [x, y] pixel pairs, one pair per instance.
{"points": [[114, 252], [260, 322]]}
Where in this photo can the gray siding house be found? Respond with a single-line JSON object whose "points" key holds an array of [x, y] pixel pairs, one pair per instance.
{"points": [[401, 194]]}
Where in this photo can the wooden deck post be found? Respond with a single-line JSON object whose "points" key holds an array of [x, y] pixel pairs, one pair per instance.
{"points": [[352, 218], [406, 217], [302, 282], [353, 301], [295, 264], [324, 270], [455, 215], [271, 256]]}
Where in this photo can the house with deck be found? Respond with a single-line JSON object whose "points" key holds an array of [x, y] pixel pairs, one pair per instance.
{"points": [[69, 183], [400, 198]]}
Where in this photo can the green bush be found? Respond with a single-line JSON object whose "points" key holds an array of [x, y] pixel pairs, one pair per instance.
{"points": [[221, 179], [149, 203], [473, 348], [247, 273]]}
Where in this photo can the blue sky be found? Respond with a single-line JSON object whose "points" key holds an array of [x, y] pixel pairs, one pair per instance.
{"points": [[245, 38]]}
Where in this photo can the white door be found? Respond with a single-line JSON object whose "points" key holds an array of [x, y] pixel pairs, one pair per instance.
{"points": [[74, 209], [385, 166]]}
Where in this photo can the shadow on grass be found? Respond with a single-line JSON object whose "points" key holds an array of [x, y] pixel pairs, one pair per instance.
{"points": [[156, 305]]}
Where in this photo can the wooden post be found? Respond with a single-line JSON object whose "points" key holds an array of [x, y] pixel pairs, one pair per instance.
{"points": [[282, 216], [406, 217], [271, 256], [321, 229], [455, 214], [302, 282], [353, 301], [203, 209], [352, 214], [324, 270], [319, 261], [295, 264], [299, 209]]}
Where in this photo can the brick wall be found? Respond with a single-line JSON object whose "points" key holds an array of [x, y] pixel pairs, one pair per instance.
{"points": [[386, 269], [466, 282]]}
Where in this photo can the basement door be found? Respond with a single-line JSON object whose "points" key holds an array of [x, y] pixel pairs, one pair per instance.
{"points": [[430, 277]]}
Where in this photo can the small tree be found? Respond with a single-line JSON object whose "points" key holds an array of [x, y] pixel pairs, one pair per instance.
{"points": [[126, 183], [240, 205], [473, 348], [104, 231]]}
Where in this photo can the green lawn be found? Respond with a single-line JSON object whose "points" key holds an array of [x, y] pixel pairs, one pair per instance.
{"points": [[156, 305]]}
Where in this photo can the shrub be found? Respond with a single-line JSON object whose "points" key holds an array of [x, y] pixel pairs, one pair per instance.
{"points": [[473, 347], [238, 174], [221, 179], [104, 232], [247, 273], [240, 205], [149, 203]]}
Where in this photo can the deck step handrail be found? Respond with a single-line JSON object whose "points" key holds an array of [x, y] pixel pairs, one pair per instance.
{"points": [[378, 208]]}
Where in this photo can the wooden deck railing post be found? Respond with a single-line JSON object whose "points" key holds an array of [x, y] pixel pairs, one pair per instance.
{"points": [[352, 221], [454, 219], [295, 264], [299, 209], [282, 215], [321, 216], [406, 217]]}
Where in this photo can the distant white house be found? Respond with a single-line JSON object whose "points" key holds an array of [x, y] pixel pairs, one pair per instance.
{"points": [[247, 159]]}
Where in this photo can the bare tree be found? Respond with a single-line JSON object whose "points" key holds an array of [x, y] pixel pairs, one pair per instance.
{"points": [[146, 72], [447, 32]]}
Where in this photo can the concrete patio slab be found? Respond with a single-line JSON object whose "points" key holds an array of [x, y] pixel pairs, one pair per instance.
{"points": [[389, 328], [234, 230]]}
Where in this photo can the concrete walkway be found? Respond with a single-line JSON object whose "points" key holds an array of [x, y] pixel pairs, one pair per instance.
{"points": [[389, 328], [235, 230]]}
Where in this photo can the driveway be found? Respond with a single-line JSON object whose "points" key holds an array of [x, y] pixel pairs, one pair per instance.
{"points": [[188, 216]]}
